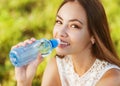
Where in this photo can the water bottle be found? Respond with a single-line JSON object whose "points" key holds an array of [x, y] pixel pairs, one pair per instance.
{"points": [[23, 55]]}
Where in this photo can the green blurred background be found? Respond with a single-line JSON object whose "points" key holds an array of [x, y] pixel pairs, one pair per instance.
{"points": [[23, 19]]}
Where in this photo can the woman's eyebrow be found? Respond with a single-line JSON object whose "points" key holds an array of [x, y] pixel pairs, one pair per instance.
{"points": [[72, 20], [59, 17]]}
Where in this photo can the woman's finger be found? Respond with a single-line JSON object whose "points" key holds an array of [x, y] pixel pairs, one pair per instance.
{"points": [[32, 67], [28, 41], [33, 39], [18, 45], [13, 47], [20, 74], [39, 59]]}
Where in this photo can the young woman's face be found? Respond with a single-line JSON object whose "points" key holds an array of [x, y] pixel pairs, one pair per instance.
{"points": [[71, 28]]}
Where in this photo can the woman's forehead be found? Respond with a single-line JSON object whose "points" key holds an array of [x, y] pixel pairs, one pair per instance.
{"points": [[72, 10]]}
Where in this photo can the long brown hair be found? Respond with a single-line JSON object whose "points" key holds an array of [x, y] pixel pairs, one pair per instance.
{"points": [[103, 48]]}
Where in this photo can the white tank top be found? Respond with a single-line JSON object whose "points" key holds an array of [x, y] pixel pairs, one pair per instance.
{"points": [[68, 76]]}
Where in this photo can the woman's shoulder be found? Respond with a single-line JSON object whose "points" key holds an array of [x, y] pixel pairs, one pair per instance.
{"points": [[110, 78], [51, 74], [52, 66]]}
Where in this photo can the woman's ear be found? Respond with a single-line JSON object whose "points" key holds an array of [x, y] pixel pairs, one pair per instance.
{"points": [[92, 40]]}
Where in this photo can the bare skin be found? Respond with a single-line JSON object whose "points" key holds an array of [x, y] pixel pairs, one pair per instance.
{"points": [[51, 75], [110, 78]]}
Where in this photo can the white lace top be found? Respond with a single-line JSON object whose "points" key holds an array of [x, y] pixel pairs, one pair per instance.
{"points": [[90, 78]]}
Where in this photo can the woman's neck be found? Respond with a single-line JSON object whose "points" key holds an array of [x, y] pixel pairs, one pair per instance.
{"points": [[82, 63]]}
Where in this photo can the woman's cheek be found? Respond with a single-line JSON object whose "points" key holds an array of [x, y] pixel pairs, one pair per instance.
{"points": [[54, 32]]}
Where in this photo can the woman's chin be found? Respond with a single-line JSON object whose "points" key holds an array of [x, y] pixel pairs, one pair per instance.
{"points": [[61, 52]]}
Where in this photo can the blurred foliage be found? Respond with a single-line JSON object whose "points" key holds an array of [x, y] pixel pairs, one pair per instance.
{"points": [[112, 8], [20, 20], [23, 19]]}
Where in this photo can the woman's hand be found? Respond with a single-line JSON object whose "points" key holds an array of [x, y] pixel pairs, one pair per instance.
{"points": [[25, 74]]}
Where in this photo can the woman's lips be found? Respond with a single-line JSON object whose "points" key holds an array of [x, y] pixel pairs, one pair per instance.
{"points": [[63, 44]]}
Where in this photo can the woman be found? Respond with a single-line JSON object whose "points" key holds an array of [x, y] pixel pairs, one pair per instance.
{"points": [[85, 56]]}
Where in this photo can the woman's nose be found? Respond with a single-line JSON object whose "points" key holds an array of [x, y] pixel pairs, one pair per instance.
{"points": [[63, 32]]}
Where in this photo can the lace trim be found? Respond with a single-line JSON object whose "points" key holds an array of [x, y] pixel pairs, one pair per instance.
{"points": [[90, 78]]}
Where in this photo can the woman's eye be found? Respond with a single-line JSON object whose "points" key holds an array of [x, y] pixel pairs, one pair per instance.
{"points": [[58, 22], [75, 26]]}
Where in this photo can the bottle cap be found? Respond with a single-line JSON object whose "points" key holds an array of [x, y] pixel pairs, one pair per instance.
{"points": [[55, 42]]}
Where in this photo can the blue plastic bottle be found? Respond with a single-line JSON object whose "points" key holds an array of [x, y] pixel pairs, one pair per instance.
{"points": [[23, 55]]}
